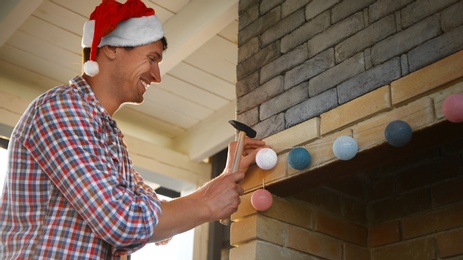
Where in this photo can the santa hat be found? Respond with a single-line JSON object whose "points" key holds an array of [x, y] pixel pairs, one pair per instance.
{"points": [[123, 25]]}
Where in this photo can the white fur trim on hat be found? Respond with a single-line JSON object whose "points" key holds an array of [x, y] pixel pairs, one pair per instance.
{"points": [[129, 33]]}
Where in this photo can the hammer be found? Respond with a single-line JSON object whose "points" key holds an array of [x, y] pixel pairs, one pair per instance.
{"points": [[243, 131]]}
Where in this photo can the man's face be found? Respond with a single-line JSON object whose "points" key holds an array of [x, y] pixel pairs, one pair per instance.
{"points": [[137, 69]]}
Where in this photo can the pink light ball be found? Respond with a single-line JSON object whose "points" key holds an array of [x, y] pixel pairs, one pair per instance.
{"points": [[452, 108], [266, 158], [261, 199]]}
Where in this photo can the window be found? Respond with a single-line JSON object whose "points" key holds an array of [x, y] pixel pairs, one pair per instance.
{"points": [[3, 162], [179, 248]]}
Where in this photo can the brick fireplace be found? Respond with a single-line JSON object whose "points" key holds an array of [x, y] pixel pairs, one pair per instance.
{"points": [[311, 71]]}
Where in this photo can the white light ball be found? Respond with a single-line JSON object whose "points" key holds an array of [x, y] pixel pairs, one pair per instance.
{"points": [[345, 148], [266, 158]]}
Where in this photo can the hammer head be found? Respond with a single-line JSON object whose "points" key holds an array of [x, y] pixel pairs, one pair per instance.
{"points": [[242, 127]]}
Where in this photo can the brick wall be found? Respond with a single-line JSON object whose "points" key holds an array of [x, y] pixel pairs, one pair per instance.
{"points": [[416, 210], [410, 207], [298, 58], [312, 70]]}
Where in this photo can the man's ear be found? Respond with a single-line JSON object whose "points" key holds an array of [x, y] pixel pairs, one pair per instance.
{"points": [[109, 51]]}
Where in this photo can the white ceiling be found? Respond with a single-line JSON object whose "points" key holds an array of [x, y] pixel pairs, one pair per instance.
{"points": [[187, 113]]}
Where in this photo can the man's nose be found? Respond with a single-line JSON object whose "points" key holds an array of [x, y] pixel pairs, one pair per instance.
{"points": [[155, 73]]}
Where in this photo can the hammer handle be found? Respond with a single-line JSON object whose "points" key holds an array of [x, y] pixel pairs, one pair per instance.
{"points": [[236, 163], [239, 151]]}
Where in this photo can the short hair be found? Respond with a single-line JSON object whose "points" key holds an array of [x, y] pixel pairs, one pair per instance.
{"points": [[86, 51]]}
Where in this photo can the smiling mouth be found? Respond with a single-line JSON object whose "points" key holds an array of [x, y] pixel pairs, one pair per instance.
{"points": [[144, 83]]}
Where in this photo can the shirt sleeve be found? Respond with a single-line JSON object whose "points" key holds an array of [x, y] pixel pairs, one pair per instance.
{"points": [[68, 143]]}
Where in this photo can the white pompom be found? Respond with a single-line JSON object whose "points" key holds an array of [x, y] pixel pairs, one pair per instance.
{"points": [[91, 68]]}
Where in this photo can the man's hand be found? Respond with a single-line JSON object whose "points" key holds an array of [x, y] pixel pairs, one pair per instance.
{"points": [[217, 199]]}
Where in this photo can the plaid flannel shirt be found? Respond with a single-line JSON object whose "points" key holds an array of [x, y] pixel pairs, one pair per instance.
{"points": [[71, 191]]}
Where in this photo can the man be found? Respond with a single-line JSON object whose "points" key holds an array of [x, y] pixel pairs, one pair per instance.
{"points": [[71, 191]]}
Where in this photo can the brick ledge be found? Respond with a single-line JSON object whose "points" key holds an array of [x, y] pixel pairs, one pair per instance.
{"points": [[416, 98]]}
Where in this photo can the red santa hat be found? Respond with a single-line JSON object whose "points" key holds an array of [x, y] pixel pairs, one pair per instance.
{"points": [[123, 25]]}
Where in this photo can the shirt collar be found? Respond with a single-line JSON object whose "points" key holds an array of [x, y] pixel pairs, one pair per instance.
{"points": [[84, 89]]}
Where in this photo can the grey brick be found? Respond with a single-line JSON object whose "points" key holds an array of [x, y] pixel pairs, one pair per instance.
{"points": [[283, 27], [305, 32], [245, 4], [367, 58], [336, 75], [248, 15], [335, 34], [284, 101], [267, 5], [260, 25], [260, 95], [283, 63], [289, 6], [436, 49], [452, 16], [248, 49], [310, 68], [365, 38], [369, 80], [317, 7], [381, 8], [310, 108], [404, 64], [421, 9], [347, 8], [270, 126], [247, 84], [250, 117], [405, 40], [255, 62]]}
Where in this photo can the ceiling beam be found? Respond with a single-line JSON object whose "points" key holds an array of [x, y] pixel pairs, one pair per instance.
{"points": [[195, 24], [208, 137], [13, 14]]}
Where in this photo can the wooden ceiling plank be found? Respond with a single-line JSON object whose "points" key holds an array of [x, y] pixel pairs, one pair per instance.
{"points": [[167, 114], [173, 6], [205, 19], [52, 34], [210, 136], [204, 80], [170, 101], [80, 7], [14, 13], [156, 126], [231, 33], [36, 64], [218, 56], [61, 17], [214, 65], [33, 79], [220, 48], [45, 50], [192, 93]]}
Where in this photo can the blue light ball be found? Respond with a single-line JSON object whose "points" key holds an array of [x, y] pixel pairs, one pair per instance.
{"points": [[345, 148], [299, 158], [398, 133]]}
